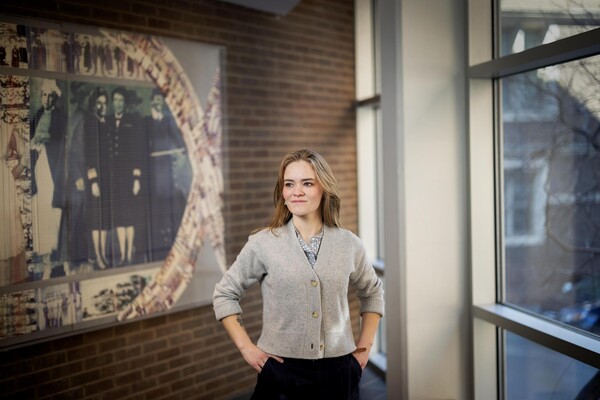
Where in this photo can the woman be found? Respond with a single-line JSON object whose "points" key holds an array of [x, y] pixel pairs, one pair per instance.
{"points": [[98, 188], [304, 262]]}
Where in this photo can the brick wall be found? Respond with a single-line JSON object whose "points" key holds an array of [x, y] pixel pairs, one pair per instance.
{"points": [[289, 84]]}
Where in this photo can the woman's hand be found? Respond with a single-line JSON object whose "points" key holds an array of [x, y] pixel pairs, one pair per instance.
{"points": [[368, 328], [254, 356], [257, 358], [362, 356]]}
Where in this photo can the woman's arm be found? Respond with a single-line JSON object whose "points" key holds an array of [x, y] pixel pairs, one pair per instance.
{"points": [[253, 355], [368, 329]]}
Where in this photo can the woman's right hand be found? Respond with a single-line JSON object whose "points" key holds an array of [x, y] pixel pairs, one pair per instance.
{"points": [[252, 354], [257, 358]]}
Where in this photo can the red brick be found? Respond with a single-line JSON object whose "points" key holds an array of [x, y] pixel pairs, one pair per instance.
{"points": [[100, 13], [56, 386], [128, 378], [145, 384], [156, 369], [112, 344], [127, 353], [98, 387], [155, 345], [167, 330], [85, 377], [98, 361]]}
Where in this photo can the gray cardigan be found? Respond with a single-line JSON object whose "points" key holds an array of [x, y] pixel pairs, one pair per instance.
{"points": [[305, 310]]}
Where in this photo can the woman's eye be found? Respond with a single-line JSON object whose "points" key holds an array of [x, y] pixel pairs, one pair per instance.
{"points": [[288, 184], [308, 183]]}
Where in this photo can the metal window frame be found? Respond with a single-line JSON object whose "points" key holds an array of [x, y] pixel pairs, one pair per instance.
{"points": [[568, 49], [553, 335]]}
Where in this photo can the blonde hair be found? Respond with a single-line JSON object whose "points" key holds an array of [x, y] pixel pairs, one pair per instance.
{"points": [[330, 202]]}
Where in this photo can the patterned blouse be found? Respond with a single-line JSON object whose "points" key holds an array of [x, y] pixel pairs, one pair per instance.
{"points": [[311, 249]]}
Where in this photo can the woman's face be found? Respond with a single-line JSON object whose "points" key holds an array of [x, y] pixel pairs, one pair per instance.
{"points": [[101, 106], [301, 191]]}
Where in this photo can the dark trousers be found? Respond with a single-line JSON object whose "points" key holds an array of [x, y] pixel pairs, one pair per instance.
{"points": [[328, 379]]}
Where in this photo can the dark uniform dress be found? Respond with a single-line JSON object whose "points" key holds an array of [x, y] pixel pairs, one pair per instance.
{"points": [[166, 201], [125, 161], [116, 155], [96, 153]]}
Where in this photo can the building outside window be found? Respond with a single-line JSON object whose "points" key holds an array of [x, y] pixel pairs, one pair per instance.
{"points": [[544, 91]]}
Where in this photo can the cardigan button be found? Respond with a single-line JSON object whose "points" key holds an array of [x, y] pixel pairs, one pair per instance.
{"points": [[314, 283], [315, 314]]}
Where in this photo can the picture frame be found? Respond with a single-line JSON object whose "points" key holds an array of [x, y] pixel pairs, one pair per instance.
{"points": [[112, 177]]}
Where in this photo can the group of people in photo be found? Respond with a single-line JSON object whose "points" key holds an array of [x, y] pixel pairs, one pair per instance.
{"points": [[104, 190]]}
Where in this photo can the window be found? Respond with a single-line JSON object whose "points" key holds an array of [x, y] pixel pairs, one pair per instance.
{"points": [[551, 159], [528, 377], [535, 206], [367, 123], [527, 24], [524, 199], [368, 148]]}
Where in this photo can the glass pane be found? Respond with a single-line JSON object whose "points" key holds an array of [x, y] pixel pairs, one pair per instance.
{"points": [[381, 333], [526, 24], [379, 182], [528, 376], [551, 164]]}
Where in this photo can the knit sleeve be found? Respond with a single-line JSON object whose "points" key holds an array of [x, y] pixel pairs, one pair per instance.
{"points": [[243, 273], [368, 286]]}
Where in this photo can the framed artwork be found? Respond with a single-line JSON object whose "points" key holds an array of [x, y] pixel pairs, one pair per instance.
{"points": [[111, 177]]}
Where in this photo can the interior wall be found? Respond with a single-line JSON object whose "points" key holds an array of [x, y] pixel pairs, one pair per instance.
{"points": [[436, 198], [425, 133], [289, 84]]}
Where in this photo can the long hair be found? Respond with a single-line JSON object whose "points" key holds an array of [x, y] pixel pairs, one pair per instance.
{"points": [[330, 202]]}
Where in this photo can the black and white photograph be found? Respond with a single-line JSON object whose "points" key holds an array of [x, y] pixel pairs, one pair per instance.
{"points": [[19, 313], [101, 297], [105, 139]]}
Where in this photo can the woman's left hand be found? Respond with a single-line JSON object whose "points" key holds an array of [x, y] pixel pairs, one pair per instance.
{"points": [[362, 356], [368, 329]]}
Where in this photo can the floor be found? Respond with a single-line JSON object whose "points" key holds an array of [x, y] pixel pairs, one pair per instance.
{"points": [[372, 387]]}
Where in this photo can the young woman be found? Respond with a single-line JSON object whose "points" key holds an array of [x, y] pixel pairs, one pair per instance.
{"points": [[304, 262]]}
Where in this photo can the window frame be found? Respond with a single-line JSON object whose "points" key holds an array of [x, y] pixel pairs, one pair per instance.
{"points": [[368, 129], [490, 318]]}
